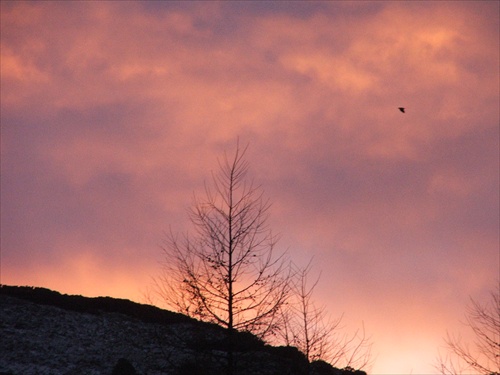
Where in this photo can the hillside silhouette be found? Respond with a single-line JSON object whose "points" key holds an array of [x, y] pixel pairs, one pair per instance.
{"points": [[46, 332]]}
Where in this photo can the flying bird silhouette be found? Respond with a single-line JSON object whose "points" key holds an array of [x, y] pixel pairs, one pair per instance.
{"points": [[402, 109]]}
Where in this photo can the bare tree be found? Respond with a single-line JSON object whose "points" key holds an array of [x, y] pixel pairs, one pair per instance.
{"points": [[306, 326], [484, 355], [226, 271], [312, 330], [351, 351]]}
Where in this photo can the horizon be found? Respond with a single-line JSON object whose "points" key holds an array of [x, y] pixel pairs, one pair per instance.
{"points": [[113, 115]]}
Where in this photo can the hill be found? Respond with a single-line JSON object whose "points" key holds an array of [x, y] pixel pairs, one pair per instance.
{"points": [[45, 332]]}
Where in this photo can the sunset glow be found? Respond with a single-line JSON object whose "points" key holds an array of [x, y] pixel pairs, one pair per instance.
{"points": [[114, 113]]}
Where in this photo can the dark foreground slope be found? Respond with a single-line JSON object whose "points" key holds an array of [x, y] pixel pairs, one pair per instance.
{"points": [[45, 332]]}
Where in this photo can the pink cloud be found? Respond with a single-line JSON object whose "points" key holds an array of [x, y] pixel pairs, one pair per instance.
{"points": [[114, 114]]}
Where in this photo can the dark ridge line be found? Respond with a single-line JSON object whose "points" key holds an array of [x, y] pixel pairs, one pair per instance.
{"points": [[96, 305]]}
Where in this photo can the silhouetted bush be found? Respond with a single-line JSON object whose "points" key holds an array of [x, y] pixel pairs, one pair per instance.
{"points": [[247, 342], [350, 371], [123, 367], [292, 360], [323, 368], [289, 352]]}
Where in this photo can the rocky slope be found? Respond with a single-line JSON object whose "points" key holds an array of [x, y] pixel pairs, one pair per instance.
{"points": [[44, 332]]}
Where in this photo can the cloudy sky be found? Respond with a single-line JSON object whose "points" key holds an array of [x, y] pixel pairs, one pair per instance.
{"points": [[114, 113]]}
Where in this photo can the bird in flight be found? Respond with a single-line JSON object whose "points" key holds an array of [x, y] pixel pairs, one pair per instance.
{"points": [[402, 109]]}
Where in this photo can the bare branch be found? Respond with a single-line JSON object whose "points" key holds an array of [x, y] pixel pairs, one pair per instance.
{"points": [[483, 355], [316, 334]]}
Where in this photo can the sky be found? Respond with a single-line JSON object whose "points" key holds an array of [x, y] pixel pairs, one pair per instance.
{"points": [[113, 114]]}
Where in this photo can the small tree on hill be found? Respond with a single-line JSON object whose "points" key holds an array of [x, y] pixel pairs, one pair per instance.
{"points": [[226, 270], [311, 329]]}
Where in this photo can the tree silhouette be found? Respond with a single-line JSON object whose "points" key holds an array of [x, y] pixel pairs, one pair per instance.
{"points": [[484, 355], [226, 270], [305, 325], [311, 329]]}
